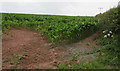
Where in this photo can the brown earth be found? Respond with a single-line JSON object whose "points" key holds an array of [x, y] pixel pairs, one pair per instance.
{"points": [[25, 49]]}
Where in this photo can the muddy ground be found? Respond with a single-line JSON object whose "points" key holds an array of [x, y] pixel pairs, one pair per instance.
{"points": [[26, 49]]}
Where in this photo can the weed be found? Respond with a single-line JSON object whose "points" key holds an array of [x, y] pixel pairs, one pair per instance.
{"points": [[17, 58]]}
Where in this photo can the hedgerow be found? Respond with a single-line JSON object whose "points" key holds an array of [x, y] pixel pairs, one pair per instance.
{"points": [[110, 37]]}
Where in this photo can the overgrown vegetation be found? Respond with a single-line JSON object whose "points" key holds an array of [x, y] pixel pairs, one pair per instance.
{"points": [[109, 41], [110, 37]]}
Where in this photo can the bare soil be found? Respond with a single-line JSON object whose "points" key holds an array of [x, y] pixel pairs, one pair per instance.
{"points": [[25, 49]]}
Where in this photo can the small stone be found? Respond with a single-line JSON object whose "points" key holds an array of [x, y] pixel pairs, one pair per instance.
{"points": [[78, 61], [22, 44], [55, 53], [69, 65], [53, 50], [35, 33]]}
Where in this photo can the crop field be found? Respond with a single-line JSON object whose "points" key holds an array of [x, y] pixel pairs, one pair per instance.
{"points": [[56, 28], [31, 41]]}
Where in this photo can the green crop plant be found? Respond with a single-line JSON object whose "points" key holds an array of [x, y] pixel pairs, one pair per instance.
{"points": [[65, 29]]}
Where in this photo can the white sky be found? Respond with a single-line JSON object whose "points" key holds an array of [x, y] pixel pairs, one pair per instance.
{"points": [[59, 0], [57, 7]]}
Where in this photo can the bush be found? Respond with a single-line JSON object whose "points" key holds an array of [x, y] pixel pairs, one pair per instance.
{"points": [[109, 21]]}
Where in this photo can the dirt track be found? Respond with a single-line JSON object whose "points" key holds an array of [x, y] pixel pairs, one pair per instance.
{"points": [[27, 49]]}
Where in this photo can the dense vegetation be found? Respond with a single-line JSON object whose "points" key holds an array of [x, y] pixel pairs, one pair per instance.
{"points": [[55, 28], [109, 41]]}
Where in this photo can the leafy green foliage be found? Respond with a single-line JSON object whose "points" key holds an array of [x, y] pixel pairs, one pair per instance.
{"points": [[109, 20], [56, 28], [109, 24], [110, 45]]}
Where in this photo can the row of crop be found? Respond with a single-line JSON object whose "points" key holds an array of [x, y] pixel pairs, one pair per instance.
{"points": [[56, 28], [45, 18], [68, 32]]}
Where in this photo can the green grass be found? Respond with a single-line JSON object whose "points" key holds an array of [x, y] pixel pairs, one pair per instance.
{"points": [[17, 59], [84, 65]]}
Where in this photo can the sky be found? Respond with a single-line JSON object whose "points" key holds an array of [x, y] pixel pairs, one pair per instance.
{"points": [[58, 7]]}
